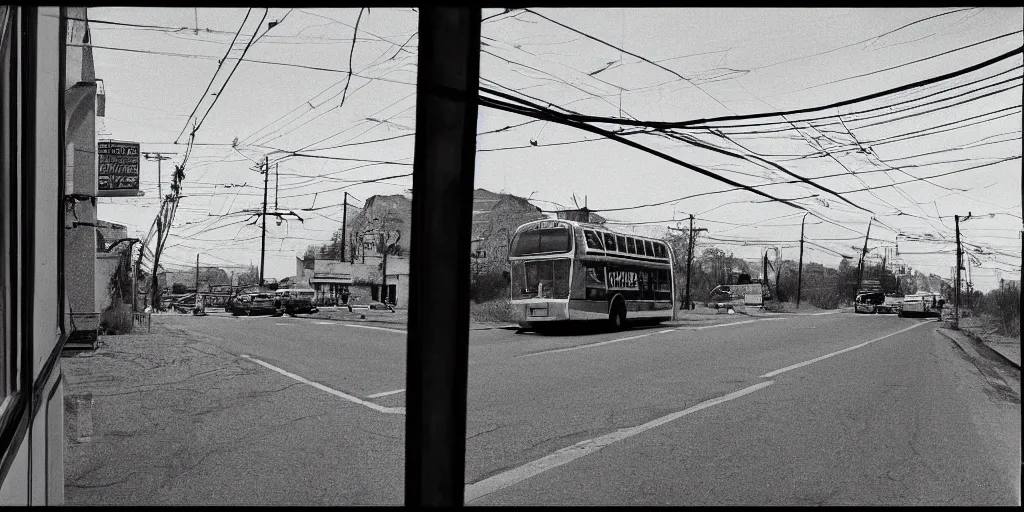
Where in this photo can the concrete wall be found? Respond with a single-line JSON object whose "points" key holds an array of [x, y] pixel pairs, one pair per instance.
{"points": [[80, 168], [106, 265]]}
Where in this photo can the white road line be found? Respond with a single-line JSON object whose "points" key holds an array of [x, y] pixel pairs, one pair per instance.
{"points": [[826, 356], [600, 343], [321, 387], [583, 448], [280, 323], [386, 393], [325, 323], [377, 328], [589, 345], [731, 323]]}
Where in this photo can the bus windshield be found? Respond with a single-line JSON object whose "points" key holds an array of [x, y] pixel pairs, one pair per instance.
{"points": [[544, 279], [542, 241]]}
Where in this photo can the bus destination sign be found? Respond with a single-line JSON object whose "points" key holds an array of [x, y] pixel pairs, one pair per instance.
{"points": [[118, 172]]}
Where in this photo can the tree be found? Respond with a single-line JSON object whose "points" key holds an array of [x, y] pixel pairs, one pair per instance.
{"points": [[178, 288], [386, 227], [251, 277]]}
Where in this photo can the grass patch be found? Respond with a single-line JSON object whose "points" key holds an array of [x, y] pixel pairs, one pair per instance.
{"points": [[117, 319], [492, 311]]}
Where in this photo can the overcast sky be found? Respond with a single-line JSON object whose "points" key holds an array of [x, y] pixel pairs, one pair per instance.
{"points": [[736, 61]]}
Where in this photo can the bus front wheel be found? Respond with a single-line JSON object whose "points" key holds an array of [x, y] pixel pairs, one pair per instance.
{"points": [[617, 317]]}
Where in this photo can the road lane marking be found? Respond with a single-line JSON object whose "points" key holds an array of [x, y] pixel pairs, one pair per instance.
{"points": [[836, 353], [325, 323], [377, 328], [583, 448], [321, 387], [283, 323], [386, 393], [628, 338], [589, 345]]}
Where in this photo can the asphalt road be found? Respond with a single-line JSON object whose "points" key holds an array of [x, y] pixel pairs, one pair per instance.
{"points": [[784, 410]]}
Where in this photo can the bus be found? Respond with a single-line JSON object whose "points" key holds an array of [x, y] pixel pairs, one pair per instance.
{"points": [[564, 270]]}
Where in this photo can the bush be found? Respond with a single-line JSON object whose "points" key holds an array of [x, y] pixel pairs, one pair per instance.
{"points": [[488, 286], [497, 310], [116, 319]]}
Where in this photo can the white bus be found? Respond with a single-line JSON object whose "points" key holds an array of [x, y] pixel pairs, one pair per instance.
{"points": [[565, 270]]}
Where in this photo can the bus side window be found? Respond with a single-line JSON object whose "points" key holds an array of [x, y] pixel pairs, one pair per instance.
{"points": [[630, 245], [659, 250], [593, 241], [621, 240], [649, 247], [609, 242]]}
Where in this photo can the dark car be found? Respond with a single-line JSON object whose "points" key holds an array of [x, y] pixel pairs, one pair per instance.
{"points": [[250, 304], [297, 301], [868, 302]]}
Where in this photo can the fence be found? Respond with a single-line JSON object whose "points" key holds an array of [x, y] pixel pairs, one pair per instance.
{"points": [[141, 319]]}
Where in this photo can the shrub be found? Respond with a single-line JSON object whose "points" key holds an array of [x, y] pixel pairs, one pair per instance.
{"points": [[488, 286], [116, 319], [498, 310]]}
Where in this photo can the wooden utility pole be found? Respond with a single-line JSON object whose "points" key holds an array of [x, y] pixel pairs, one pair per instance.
{"points": [[158, 157], [344, 232], [691, 233], [956, 292], [197, 273], [800, 268], [263, 242], [863, 254], [447, 89]]}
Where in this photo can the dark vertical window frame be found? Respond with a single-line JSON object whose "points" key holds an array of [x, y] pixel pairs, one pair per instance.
{"points": [[27, 148], [438, 340], [62, 74], [14, 422]]}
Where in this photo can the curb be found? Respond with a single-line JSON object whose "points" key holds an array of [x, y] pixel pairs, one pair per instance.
{"points": [[947, 333]]}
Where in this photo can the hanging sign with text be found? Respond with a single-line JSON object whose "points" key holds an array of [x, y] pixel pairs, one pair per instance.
{"points": [[118, 172]]}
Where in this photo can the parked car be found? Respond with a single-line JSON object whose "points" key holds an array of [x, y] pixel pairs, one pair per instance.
{"points": [[922, 304], [297, 300], [868, 302], [891, 304], [249, 304]]}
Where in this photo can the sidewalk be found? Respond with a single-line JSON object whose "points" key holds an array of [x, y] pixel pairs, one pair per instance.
{"points": [[168, 419], [1007, 348], [979, 332]]}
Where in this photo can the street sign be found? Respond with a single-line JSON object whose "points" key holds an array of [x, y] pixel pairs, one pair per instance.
{"points": [[118, 172]]}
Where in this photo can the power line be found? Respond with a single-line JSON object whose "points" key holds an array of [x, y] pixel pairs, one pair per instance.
{"points": [[220, 64]]}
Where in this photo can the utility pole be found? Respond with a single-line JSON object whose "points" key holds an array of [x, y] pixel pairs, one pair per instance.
{"points": [[800, 268], [197, 273], [344, 233], [689, 260], [956, 292], [263, 243], [863, 254], [960, 265], [277, 180], [158, 157]]}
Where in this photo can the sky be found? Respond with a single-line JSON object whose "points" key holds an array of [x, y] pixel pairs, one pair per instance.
{"points": [[646, 64]]}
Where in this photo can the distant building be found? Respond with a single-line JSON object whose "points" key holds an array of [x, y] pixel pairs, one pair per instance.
{"points": [[495, 219], [342, 282]]}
